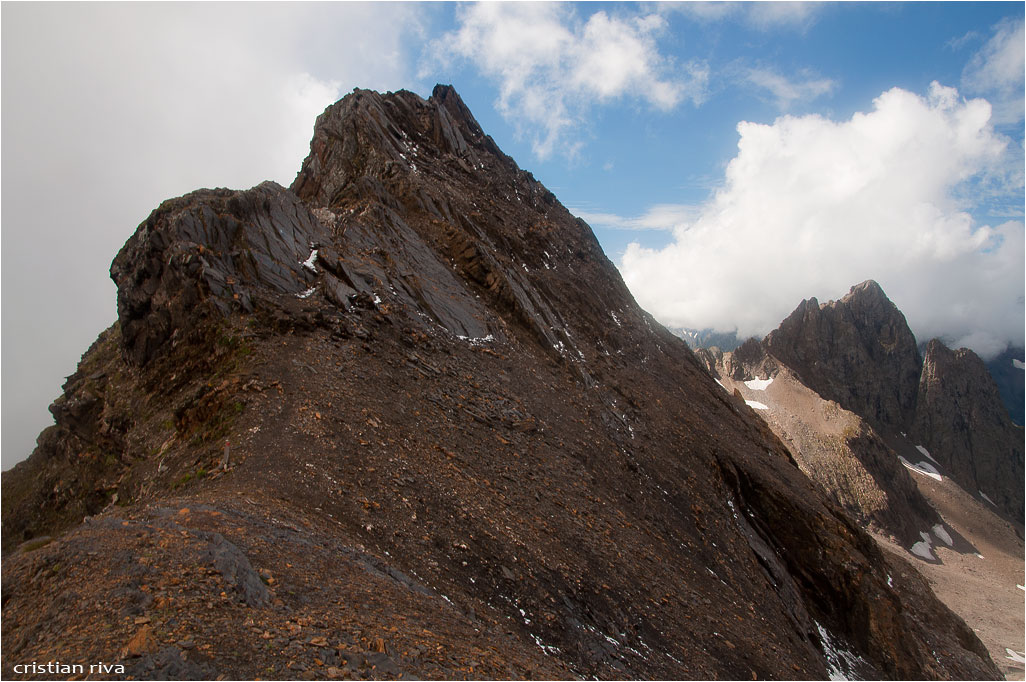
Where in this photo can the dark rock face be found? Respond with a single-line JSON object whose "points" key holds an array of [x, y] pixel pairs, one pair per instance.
{"points": [[210, 250], [857, 351], [961, 420], [451, 427], [1007, 370]]}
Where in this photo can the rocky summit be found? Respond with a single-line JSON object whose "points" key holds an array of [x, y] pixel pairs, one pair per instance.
{"points": [[404, 419]]}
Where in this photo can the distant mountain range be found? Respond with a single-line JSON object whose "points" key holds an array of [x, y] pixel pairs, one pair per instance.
{"points": [[1006, 368]]}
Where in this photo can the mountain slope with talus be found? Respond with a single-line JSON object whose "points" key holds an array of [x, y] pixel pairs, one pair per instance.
{"points": [[456, 448]]}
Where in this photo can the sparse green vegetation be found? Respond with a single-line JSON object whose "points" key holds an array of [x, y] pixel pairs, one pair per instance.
{"points": [[189, 477]]}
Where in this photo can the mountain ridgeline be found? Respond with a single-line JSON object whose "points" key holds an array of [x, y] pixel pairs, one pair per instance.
{"points": [[405, 418]]}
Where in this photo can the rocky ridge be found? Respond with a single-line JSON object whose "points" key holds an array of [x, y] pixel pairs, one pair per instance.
{"points": [[456, 448]]}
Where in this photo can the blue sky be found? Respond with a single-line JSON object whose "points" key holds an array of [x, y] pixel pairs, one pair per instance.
{"points": [[733, 158]]}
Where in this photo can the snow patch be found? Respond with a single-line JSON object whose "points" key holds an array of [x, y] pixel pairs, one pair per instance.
{"points": [[759, 384], [1015, 656], [984, 496], [756, 405], [924, 468], [306, 294], [1018, 364], [926, 453], [309, 262], [922, 549], [476, 340], [942, 535]]}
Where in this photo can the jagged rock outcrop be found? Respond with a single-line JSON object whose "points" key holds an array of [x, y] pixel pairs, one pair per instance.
{"points": [[858, 352], [458, 448], [962, 422]]}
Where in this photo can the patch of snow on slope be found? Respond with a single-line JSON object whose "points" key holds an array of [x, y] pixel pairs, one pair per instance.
{"points": [[840, 663], [922, 548], [759, 384], [476, 340], [309, 262], [1014, 655], [1018, 364], [942, 535], [924, 468], [756, 405], [926, 453], [984, 496]]}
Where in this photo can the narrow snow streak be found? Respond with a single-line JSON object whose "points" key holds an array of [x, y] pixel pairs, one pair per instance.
{"points": [[756, 405], [926, 453], [924, 468], [840, 663]]}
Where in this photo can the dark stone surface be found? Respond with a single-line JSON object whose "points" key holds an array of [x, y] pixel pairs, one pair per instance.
{"points": [[857, 351], [962, 422]]}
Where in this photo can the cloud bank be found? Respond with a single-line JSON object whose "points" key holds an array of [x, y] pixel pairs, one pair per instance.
{"points": [[811, 206], [551, 66]]}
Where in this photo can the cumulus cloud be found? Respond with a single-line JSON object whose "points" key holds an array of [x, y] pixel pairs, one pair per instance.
{"points": [[997, 71], [552, 66], [811, 206], [111, 108]]}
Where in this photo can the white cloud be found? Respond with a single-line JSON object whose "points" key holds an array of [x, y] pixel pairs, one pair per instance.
{"points": [[764, 16], [109, 109], [551, 66], [658, 217], [768, 15], [786, 91], [997, 71], [811, 206]]}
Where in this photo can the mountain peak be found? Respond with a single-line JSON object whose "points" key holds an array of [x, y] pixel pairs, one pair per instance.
{"points": [[867, 289], [857, 351]]}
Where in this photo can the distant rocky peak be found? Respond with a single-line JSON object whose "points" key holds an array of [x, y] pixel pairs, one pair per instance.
{"points": [[858, 351], [867, 291]]}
